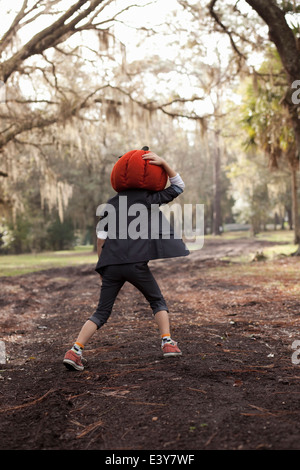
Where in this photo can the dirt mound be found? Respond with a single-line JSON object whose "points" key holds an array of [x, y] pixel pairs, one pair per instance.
{"points": [[235, 387]]}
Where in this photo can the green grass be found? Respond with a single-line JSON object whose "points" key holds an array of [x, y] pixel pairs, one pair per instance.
{"points": [[282, 276], [13, 265], [280, 236], [284, 238], [231, 235]]}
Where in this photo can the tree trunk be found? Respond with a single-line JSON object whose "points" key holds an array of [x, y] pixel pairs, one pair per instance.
{"points": [[296, 223], [217, 222], [280, 34], [286, 44]]}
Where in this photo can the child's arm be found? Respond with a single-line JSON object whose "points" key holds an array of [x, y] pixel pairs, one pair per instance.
{"points": [[156, 160], [177, 185], [100, 243], [101, 231], [176, 181]]}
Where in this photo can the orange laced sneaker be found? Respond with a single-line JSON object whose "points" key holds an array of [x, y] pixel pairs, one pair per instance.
{"points": [[170, 348], [73, 361]]}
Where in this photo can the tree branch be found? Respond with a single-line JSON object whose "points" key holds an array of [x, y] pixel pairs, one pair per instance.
{"points": [[280, 34], [224, 28], [54, 34], [7, 37]]}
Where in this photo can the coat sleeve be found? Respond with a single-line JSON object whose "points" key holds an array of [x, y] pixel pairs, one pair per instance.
{"points": [[167, 195], [102, 226], [163, 197]]}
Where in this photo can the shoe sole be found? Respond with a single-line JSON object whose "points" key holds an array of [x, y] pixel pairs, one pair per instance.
{"points": [[172, 354], [71, 365]]}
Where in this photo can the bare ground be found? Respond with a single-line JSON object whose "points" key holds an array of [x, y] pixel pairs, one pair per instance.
{"points": [[235, 387]]}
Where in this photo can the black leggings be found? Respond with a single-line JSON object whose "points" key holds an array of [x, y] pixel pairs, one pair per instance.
{"points": [[113, 278]]}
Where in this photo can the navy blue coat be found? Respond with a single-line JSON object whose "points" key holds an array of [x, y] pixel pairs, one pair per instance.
{"points": [[156, 237]]}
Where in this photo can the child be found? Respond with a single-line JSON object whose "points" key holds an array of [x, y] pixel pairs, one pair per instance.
{"points": [[124, 259]]}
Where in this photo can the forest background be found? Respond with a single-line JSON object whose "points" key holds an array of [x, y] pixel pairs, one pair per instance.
{"points": [[212, 86]]}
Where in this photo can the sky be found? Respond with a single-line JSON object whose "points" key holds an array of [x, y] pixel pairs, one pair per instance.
{"points": [[154, 14]]}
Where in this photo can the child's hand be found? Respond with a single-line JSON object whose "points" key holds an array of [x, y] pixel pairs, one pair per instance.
{"points": [[156, 160], [153, 159]]}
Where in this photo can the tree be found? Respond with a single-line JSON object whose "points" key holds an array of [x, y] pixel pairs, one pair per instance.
{"points": [[201, 101], [54, 76], [49, 45], [287, 42], [268, 123], [286, 39]]}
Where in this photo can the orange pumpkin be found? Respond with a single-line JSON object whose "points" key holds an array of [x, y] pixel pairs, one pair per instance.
{"points": [[131, 171]]}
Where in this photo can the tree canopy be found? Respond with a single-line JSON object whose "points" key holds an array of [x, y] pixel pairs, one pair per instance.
{"points": [[84, 82]]}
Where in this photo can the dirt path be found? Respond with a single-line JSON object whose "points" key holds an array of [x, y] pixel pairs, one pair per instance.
{"points": [[235, 387]]}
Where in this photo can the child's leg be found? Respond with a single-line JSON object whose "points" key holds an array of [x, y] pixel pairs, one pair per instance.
{"points": [[169, 346], [72, 357], [86, 332], [162, 320], [111, 284], [109, 291], [142, 278]]}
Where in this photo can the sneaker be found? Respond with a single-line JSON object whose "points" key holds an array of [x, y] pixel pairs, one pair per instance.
{"points": [[170, 348], [73, 361]]}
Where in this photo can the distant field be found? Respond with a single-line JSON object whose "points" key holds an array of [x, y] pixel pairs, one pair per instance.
{"points": [[282, 239], [281, 236], [13, 265]]}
